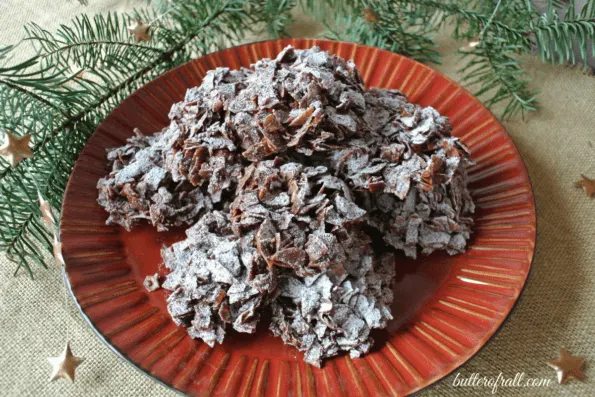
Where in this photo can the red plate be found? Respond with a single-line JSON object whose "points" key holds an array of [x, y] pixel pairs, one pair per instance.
{"points": [[446, 308]]}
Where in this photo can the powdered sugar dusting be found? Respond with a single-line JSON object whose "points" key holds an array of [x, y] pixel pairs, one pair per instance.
{"points": [[284, 174]]}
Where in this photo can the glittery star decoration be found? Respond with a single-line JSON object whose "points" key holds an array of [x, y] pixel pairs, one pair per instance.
{"points": [[370, 15], [80, 72], [151, 283], [16, 148], [568, 367], [58, 257], [64, 365], [470, 45], [140, 31], [46, 211], [587, 184]]}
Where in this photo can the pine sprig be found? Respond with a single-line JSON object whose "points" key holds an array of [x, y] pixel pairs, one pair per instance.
{"points": [[277, 15], [558, 37], [384, 25], [469, 22], [499, 76], [21, 230], [44, 98]]}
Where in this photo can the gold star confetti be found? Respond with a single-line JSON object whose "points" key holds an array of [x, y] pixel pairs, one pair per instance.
{"points": [[568, 367], [77, 72], [46, 211], [140, 31], [64, 365], [80, 72], [587, 184], [151, 283], [370, 15], [16, 148], [58, 252], [470, 45]]}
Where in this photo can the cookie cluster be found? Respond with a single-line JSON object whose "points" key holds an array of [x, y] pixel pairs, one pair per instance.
{"points": [[299, 185]]}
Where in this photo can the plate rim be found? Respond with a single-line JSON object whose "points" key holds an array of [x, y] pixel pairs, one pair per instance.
{"points": [[432, 381]]}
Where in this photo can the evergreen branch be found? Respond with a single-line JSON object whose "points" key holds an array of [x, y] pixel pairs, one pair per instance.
{"points": [[326, 10], [4, 51], [276, 15], [499, 75], [21, 115], [34, 96], [558, 37], [25, 232], [18, 202], [67, 48], [384, 24], [476, 21], [430, 11], [412, 40], [88, 43]]}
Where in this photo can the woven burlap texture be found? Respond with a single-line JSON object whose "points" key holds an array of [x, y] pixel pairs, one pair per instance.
{"points": [[556, 310]]}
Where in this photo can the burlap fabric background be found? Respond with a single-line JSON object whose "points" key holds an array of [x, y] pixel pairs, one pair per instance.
{"points": [[555, 311]]}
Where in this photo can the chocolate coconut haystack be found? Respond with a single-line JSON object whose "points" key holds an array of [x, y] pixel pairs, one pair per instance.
{"points": [[289, 172], [141, 187]]}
